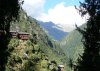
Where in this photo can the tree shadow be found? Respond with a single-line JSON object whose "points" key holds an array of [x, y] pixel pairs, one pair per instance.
{"points": [[9, 10]]}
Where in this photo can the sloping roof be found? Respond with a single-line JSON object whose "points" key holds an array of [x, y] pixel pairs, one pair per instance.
{"points": [[23, 33], [13, 31], [61, 66]]}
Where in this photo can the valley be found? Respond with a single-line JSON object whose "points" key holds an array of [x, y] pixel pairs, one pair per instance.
{"points": [[49, 35], [53, 30], [39, 48]]}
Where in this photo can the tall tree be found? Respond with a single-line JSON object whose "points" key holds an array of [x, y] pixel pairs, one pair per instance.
{"points": [[9, 10], [90, 60]]}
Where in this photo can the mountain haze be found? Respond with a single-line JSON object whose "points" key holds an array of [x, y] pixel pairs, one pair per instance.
{"points": [[53, 30]]}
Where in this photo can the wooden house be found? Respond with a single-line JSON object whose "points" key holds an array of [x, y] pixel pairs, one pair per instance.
{"points": [[23, 36], [13, 34], [60, 67], [19, 35]]}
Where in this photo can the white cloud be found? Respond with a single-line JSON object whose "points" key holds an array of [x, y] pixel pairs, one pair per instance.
{"points": [[62, 16], [65, 17], [34, 8]]}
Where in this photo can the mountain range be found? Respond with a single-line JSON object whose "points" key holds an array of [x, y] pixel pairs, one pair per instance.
{"points": [[70, 42], [41, 50], [36, 54], [72, 45], [53, 30]]}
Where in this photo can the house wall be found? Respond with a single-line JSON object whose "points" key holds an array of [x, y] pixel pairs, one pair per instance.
{"points": [[23, 36]]}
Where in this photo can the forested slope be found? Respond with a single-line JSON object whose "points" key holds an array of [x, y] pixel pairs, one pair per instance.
{"points": [[72, 45], [39, 53]]}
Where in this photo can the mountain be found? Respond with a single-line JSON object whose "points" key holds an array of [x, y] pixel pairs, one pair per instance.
{"points": [[39, 53], [53, 30], [72, 45]]}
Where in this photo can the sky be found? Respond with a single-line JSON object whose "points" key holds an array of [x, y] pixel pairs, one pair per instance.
{"points": [[60, 12]]}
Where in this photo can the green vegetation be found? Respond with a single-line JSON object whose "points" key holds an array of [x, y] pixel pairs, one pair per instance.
{"points": [[90, 60], [27, 56], [39, 53], [72, 45], [9, 10]]}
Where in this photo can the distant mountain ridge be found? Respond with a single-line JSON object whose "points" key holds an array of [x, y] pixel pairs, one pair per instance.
{"points": [[72, 45], [53, 30]]}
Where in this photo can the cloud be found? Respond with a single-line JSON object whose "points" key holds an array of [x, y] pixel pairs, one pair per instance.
{"points": [[33, 8], [64, 17]]}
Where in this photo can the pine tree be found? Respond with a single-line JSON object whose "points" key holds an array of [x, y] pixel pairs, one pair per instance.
{"points": [[9, 10], [90, 60]]}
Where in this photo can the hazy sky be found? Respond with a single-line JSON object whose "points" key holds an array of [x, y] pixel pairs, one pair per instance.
{"points": [[60, 12]]}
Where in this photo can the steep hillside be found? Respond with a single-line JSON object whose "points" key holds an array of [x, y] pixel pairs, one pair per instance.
{"points": [[25, 56], [39, 44], [72, 45], [53, 30]]}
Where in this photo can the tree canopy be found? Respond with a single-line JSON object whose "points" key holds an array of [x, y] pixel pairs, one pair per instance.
{"points": [[90, 60], [9, 10]]}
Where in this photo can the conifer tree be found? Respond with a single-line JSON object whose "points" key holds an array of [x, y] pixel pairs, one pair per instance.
{"points": [[90, 60], [9, 10]]}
